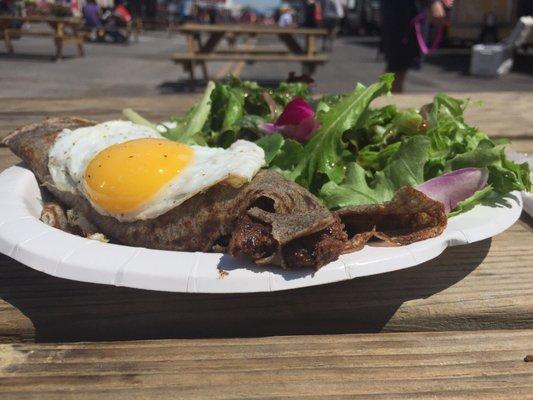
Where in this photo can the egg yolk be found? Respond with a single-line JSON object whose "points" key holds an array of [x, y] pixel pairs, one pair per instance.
{"points": [[122, 177]]}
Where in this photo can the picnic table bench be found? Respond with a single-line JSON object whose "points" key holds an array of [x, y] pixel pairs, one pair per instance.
{"points": [[64, 30], [202, 50], [457, 327]]}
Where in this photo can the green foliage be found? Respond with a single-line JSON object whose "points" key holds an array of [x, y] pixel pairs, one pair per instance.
{"points": [[359, 155]]}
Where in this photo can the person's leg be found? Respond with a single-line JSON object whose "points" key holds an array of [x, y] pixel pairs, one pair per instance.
{"points": [[399, 43]]}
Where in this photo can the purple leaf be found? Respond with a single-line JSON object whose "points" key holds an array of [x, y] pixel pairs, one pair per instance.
{"points": [[296, 122], [295, 112], [301, 132], [456, 186]]}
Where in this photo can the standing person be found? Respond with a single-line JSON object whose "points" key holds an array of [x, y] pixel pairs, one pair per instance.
{"points": [[332, 14], [312, 14], [399, 41]]}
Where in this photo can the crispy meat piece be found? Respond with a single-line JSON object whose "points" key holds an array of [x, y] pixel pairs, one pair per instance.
{"points": [[319, 248], [254, 238]]}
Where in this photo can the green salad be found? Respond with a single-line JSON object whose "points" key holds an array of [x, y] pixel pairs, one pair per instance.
{"points": [[340, 148]]}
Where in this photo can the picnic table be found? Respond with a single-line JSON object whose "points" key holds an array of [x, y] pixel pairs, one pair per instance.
{"points": [[456, 327], [203, 46], [63, 30]]}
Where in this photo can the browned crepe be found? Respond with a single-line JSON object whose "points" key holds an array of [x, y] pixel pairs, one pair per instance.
{"points": [[409, 217], [287, 213]]}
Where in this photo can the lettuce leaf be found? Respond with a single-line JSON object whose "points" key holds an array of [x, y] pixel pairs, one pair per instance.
{"points": [[406, 168], [188, 128], [472, 201], [324, 153], [280, 153]]}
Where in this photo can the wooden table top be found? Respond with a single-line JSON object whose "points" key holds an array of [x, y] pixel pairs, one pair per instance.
{"points": [[42, 18], [456, 327], [250, 28]]}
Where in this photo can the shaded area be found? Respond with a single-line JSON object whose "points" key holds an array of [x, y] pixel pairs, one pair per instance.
{"points": [[63, 310]]}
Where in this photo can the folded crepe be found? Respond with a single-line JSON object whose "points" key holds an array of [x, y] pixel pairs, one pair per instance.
{"points": [[271, 220], [409, 217], [292, 227]]}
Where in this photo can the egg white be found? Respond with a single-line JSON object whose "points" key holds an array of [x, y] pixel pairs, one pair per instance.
{"points": [[74, 150]]}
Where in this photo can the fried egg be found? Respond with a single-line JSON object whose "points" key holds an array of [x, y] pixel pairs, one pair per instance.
{"points": [[131, 172]]}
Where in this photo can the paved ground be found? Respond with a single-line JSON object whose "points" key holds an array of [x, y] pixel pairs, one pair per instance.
{"points": [[144, 68]]}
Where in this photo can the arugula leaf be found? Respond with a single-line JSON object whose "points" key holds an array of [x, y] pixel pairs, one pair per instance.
{"points": [[354, 190], [444, 105], [288, 156], [227, 107], [138, 119], [280, 153], [472, 201], [406, 168], [508, 176], [323, 154], [375, 160], [271, 145], [484, 155], [188, 128]]}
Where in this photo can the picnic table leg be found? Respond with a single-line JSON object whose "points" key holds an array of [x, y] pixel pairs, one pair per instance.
{"points": [[291, 43], [7, 39], [81, 48], [59, 41], [204, 71], [192, 81], [59, 48], [311, 45]]}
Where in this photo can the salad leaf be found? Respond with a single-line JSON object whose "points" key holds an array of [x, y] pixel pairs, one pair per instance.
{"points": [[271, 145], [375, 160], [354, 190], [359, 155], [406, 168], [472, 201], [323, 154], [188, 128], [227, 105], [507, 176], [484, 155], [137, 119], [280, 153], [289, 155]]}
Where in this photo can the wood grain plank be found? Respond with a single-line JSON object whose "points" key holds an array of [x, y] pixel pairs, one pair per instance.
{"points": [[452, 365]]}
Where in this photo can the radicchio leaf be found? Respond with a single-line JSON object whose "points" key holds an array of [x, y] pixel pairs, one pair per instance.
{"points": [[295, 112], [296, 122]]}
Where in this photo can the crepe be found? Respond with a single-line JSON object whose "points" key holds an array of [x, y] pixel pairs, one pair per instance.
{"points": [[270, 220], [409, 217], [293, 220]]}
